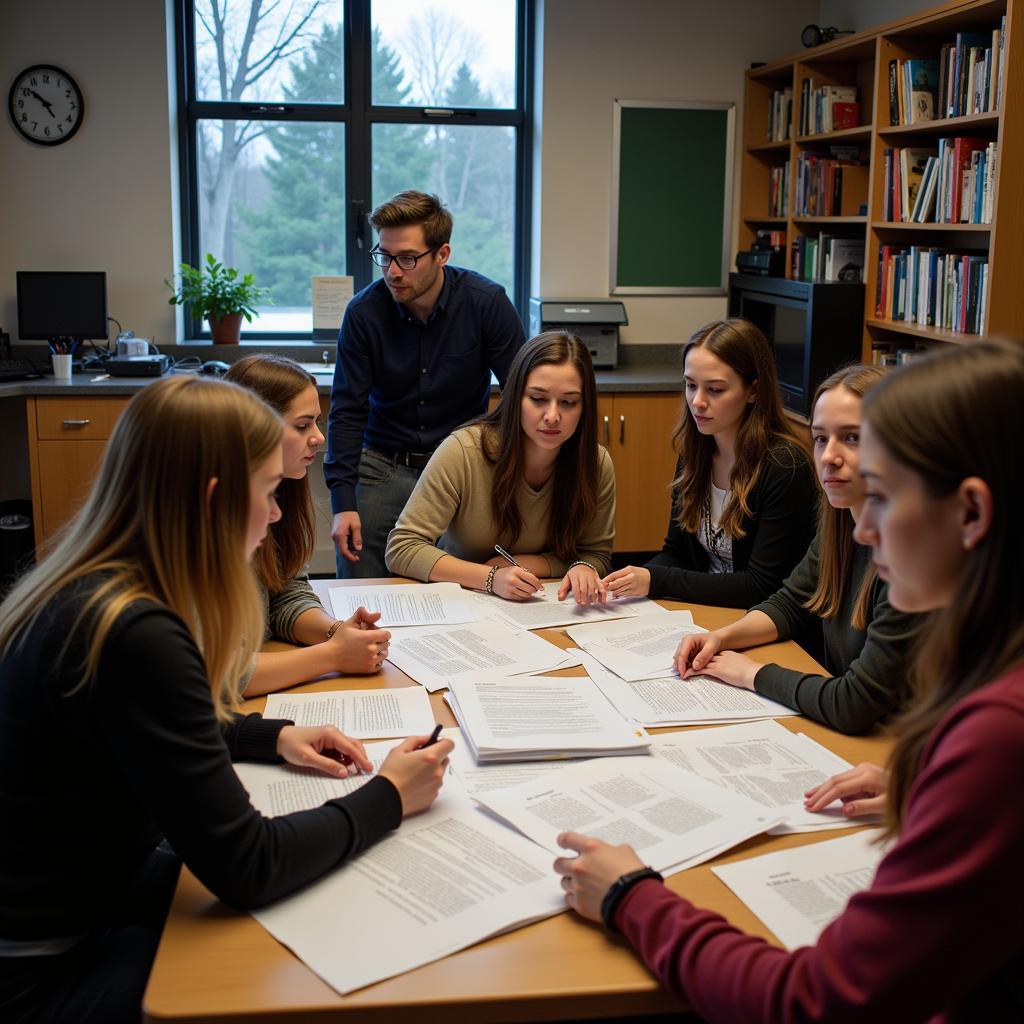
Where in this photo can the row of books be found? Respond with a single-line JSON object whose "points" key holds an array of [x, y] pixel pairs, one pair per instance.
{"points": [[954, 184], [780, 115], [932, 288], [821, 178], [966, 79], [827, 258], [778, 191], [827, 108]]}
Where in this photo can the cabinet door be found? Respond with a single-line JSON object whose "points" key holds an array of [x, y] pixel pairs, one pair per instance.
{"points": [[66, 471], [640, 428]]}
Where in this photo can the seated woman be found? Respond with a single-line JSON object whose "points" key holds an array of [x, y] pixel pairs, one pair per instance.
{"points": [[292, 612], [744, 494], [866, 640], [529, 476], [936, 935], [119, 660]]}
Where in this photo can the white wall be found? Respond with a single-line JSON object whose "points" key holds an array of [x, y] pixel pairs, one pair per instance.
{"points": [[596, 51], [861, 15], [102, 200]]}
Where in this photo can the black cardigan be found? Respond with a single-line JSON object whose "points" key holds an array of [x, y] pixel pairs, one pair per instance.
{"points": [[783, 507]]}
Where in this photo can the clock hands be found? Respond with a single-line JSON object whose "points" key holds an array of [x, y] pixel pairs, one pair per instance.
{"points": [[45, 103]]}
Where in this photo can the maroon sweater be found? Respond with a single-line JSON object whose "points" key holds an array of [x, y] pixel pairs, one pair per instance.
{"points": [[939, 936]]}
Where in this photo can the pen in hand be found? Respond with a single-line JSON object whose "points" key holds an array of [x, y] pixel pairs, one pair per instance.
{"points": [[511, 561], [434, 736]]}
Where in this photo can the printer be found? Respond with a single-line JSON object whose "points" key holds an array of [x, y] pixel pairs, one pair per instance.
{"points": [[595, 322]]}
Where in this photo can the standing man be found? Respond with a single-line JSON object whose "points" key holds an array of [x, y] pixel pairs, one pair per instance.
{"points": [[415, 356]]}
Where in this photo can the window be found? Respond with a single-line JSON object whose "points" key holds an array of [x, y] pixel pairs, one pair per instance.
{"points": [[301, 115]]}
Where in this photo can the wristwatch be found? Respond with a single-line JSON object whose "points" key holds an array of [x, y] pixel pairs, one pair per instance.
{"points": [[617, 892], [333, 627]]}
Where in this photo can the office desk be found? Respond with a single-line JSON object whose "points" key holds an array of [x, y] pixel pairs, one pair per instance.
{"points": [[218, 965]]}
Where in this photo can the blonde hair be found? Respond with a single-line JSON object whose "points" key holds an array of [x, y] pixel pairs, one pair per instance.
{"points": [[151, 530]]}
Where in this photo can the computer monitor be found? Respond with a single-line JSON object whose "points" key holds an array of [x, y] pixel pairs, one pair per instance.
{"points": [[55, 304]]}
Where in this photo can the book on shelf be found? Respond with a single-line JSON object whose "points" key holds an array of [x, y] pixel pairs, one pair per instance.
{"points": [[778, 191], [954, 184], [818, 107], [932, 287], [780, 115], [770, 239], [822, 178], [827, 258]]}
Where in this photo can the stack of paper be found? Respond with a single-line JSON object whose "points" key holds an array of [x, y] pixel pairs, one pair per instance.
{"points": [[417, 604], [545, 611], [534, 719], [640, 648], [671, 817], [438, 656], [363, 714], [674, 701]]}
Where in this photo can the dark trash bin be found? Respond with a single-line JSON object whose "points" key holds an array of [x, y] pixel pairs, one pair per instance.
{"points": [[17, 544]]}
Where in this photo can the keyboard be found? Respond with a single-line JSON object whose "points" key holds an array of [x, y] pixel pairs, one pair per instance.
{"points": [[18, 369]]}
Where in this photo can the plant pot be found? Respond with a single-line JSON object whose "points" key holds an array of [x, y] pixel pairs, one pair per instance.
{"points": [[227, 330]]}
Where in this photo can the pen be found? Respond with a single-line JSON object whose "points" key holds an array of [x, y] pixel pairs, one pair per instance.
{"points": [[434, 736], [504, 554]]}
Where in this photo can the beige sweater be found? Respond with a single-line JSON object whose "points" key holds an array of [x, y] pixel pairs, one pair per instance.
{"points": [[452, 501]]}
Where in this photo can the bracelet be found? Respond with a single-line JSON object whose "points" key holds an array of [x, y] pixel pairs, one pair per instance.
{"points": [[333, 627], [489, 585], [617, 892], [580, 561]]}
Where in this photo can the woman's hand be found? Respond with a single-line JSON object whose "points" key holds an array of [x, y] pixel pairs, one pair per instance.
{"points": [[357, 646], [587, 877], [586, 586], [514, 583], [861, 789], [732, 668], [323, 747], [417, 771], [633, 581], [695, 650]]}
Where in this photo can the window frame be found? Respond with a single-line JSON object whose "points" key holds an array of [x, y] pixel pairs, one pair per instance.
{"points": [[359, 115]]}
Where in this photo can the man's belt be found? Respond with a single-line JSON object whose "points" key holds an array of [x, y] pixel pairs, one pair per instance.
{"points": [[413, 460]]}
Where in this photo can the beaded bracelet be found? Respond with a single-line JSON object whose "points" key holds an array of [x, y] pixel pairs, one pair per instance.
{"points": [[581, 562], [489, 585]]}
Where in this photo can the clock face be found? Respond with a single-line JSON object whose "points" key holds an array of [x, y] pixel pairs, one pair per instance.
{"points": [[45, 105]]}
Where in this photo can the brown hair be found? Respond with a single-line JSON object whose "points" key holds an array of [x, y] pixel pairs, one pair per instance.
{"points": [[835, 525], [291, 540], [743, 348], [151, 529], [409, 208], [954, 415], [574, 495]]}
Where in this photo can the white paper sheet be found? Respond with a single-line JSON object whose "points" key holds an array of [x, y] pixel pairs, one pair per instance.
{"points": [[446, 879], [483, 778], [545, 611], [414, 604], [363, 714], [668, 815], [763, 761], [674, 701], [436, 656], [640, 648], [798, 893], [527, 719]]}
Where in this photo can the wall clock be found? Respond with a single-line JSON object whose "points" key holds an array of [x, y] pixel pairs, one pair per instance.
{"points": [[45, 104]]}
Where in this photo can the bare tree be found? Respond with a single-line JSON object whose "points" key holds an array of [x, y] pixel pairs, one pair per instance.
{"points": [[249, 41]]}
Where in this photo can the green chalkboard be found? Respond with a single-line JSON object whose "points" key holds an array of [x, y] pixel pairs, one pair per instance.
{"points": [[672, 196]]}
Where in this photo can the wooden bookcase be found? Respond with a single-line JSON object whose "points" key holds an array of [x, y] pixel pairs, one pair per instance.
{"points": [[863, 60]]}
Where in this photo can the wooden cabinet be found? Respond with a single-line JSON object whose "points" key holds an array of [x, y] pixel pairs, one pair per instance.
{"points": [[637, 431], [66, 441]]}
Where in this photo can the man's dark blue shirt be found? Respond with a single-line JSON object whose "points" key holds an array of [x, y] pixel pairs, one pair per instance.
{"points": [[404, 386]]}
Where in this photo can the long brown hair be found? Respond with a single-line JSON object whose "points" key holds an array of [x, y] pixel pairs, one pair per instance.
{"points": [[291, 540], [151, 529], [948, 417], [744, 349], [835, 525], [574, 494]]}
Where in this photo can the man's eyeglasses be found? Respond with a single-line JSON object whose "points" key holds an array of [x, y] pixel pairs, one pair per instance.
{"points": [[406, 260]]}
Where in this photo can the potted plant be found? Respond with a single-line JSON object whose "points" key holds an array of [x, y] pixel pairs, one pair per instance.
{"points": [[218, 294]]}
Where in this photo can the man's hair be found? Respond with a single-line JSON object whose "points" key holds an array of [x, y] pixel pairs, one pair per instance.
{"points": [[409, 208]]}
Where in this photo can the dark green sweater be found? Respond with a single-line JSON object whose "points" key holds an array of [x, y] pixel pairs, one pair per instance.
{"points": [[868, 680]]}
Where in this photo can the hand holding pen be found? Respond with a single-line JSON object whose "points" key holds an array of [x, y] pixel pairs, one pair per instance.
{"points": [[515, 583]]}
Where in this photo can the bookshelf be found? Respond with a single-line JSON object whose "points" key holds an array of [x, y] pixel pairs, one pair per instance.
{"points": [[862, 62]]}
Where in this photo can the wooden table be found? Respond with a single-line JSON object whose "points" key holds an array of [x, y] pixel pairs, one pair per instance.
{"points": [[215, 964]]}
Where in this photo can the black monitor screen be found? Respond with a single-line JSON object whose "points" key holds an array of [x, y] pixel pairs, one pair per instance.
{"points": [[54, 304]]}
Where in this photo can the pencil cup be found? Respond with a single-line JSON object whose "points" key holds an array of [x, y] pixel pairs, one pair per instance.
{"points": [[61, 366]]}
